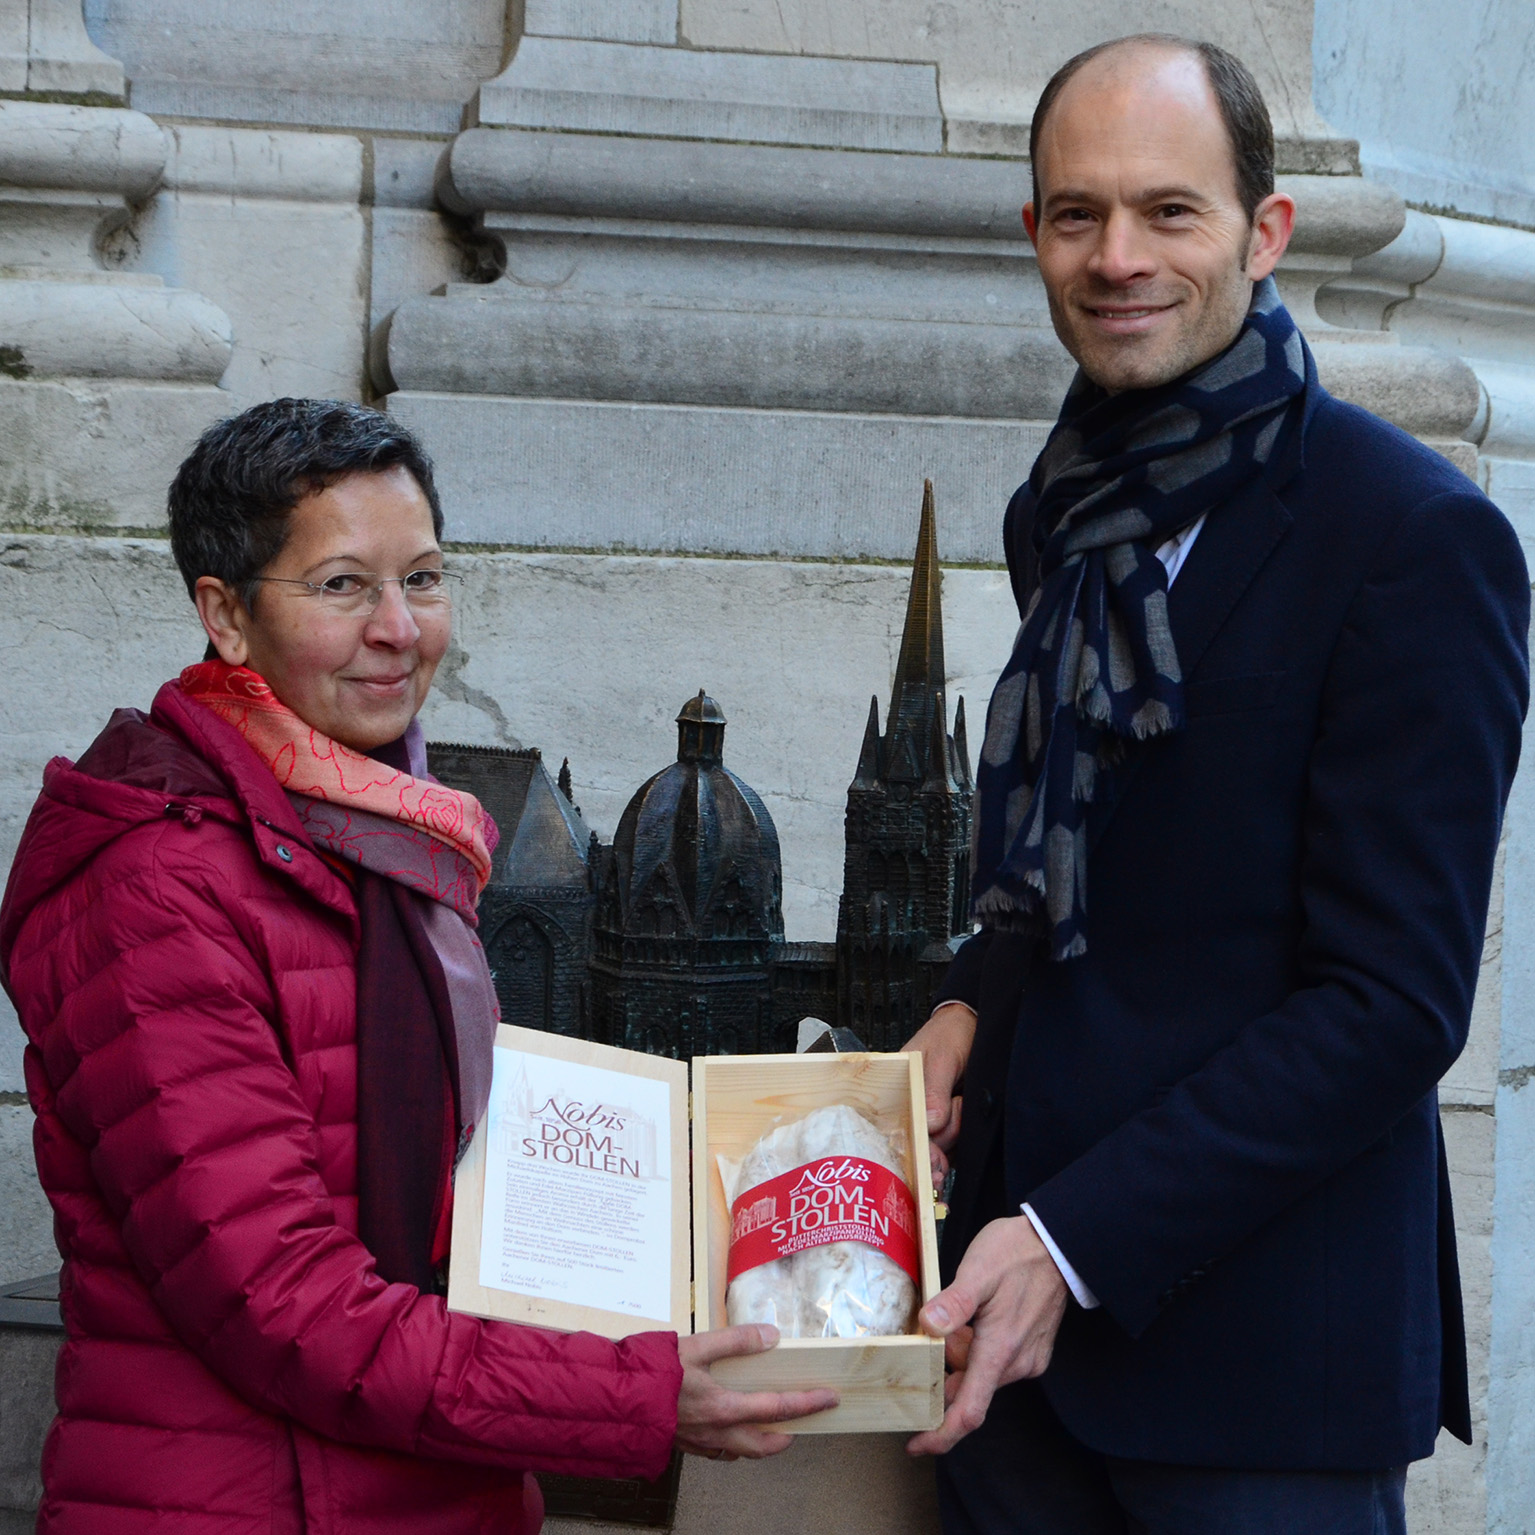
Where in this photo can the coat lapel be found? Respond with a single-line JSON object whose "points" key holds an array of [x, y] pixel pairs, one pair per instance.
{"points": [[1231, 549]]}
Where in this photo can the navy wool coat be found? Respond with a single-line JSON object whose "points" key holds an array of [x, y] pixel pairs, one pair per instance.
{"points": [[1225, 1112]]}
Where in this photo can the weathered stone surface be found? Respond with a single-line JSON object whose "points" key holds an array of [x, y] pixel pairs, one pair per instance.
{"points": [[26, 1409], [1463, 287], [619, 21], [414, 252], [68, 175], [391, 64], [44, 47], [79, 149], [112, 330], [102, 621], [1342, 215], [13, 45], [267, 225], [414, 249], [565, 474], [595, 87], [1511, 483], [728, 274], [26, 1219], [610, 176], [404, 172], [1473, 1080], [241, 163], [821, 282], [994, 56], [1440, 99], [479, 345], [1428, 393], [1511, 1347], [82, 454], [1448, 1493], [783, 277], [601, 175], [1466, 290]]}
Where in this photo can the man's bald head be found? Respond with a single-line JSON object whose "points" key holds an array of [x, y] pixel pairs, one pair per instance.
{"points": [[1242, 108]]}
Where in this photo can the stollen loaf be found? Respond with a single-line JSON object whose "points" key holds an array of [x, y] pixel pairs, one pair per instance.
{"points": [[804, 1185]]}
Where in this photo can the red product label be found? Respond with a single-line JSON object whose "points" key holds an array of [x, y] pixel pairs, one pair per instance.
{"points": [[833, 1199]]}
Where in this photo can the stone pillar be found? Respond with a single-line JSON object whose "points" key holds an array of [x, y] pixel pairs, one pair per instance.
{"points": [[1468, 290], [104, 376], [45, 50], [1445, 284]]}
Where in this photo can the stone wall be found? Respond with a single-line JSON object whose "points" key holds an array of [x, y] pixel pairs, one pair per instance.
{"points": [[688, 296], [1440, 101]]}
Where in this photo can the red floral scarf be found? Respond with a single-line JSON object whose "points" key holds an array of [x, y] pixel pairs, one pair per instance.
{"points": [[308, 762], [426, 1007]]}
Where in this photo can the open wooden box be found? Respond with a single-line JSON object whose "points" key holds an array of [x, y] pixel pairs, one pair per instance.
{"points": [[885, 1384]]}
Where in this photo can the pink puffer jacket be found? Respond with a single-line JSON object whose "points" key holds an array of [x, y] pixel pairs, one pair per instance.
{"points": [[183, 963]]}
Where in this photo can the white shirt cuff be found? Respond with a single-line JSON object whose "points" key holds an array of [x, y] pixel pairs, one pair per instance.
{"points": [[954, 1002], [1084, 1297]]}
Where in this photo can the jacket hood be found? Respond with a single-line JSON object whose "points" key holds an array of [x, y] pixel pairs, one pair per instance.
{"points": [[179, 760]]}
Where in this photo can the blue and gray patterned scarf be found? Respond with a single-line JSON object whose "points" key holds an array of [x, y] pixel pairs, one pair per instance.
{"points": [[1094, 664]]}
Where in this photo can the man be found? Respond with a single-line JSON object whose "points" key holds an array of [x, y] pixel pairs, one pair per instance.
{"points": [[1238, 804]]}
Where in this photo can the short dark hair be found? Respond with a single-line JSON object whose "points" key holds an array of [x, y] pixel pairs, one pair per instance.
{"points": [[1243, 110], [230, 501]]}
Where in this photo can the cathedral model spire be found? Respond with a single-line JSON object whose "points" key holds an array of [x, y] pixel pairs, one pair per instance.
{"points": [[906, 872], [917, 699]]}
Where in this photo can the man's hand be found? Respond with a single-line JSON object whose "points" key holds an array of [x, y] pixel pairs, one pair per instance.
{"points": [[723, 1424], [1009, 1285], [944, 1043]]}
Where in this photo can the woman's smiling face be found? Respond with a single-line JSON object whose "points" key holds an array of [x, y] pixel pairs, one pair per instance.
{"points": [[358, 677]]}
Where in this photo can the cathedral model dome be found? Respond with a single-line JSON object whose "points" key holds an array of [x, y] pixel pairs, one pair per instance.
{"points": [[696, 855]]}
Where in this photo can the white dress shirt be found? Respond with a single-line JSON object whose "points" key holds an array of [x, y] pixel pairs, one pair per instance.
{"points": [[1172, 555]]}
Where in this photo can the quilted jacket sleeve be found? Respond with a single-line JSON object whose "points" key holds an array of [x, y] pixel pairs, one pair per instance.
{"points": [[161, 1044]]}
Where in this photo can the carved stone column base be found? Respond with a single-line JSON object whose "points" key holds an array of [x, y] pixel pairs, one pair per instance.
{"points": [[106, 377]]}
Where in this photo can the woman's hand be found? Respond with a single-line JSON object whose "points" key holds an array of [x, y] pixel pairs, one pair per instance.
{"points": [[722, 1424]]}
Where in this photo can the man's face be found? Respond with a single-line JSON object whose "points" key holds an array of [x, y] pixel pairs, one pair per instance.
{"points": [[1146, 253]]}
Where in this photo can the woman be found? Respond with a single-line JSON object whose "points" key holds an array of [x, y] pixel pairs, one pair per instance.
{"points": [[239, 933]]}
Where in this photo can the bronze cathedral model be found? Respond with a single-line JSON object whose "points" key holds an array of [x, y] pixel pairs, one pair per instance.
{"points": [[671, 939]]}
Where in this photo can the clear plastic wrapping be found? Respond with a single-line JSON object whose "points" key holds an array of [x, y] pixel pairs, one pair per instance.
{"points": [[842, 1289]]}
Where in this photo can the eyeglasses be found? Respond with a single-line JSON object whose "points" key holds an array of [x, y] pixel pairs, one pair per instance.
{"points": [[355, 592]]}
